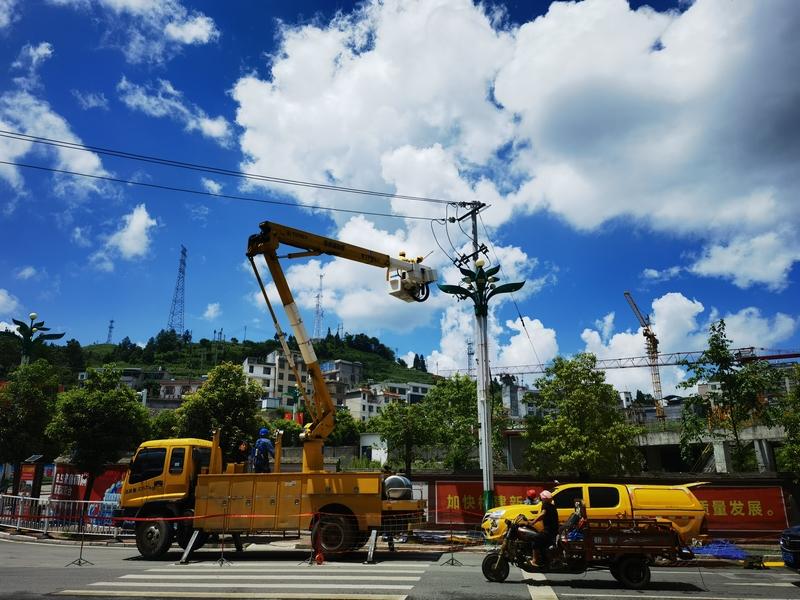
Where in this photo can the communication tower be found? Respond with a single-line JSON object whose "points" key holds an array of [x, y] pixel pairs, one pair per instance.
{"points": [[110, 331], [175, 322]]}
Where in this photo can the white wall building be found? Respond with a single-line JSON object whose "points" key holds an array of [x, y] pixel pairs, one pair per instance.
{"points": [[276, 378]]}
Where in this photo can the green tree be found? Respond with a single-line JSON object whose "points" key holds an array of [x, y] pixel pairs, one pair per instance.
{"points": [[76, 361], [227, 400], [578, 428], [405, 428], [789, 411], [452, 415], [10, 353], [26, 406], [165, 425], [99, 422], [740, 397], [346, 432], [291, 430]]}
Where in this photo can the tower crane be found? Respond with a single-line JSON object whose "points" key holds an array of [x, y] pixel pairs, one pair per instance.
{"points": [[651, 342]]}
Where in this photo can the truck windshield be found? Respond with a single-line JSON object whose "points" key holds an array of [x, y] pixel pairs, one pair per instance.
{"points": [[148, 463]]}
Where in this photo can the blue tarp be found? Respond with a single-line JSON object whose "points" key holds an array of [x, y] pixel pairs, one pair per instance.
{"points": [[721, 549]]}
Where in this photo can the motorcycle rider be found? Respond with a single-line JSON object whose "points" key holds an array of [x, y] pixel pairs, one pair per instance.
{"points": [[547, 537]]}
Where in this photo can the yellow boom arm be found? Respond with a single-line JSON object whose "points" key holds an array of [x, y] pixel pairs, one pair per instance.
{"points": [[408, 280]]}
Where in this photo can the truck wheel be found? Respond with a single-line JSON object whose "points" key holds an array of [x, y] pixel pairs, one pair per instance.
{"points": [[633, 572], [333, 534], [494, 569], [184, 531], [153, 538]]}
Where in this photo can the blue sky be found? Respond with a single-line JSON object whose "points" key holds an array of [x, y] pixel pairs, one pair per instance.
{"points": [[618, 146]]}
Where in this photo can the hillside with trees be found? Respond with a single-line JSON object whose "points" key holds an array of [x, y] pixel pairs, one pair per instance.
{"points": [[182, 357]]}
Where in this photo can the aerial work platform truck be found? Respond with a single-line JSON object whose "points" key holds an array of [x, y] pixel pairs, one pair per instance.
{"points": [[176, 487]]}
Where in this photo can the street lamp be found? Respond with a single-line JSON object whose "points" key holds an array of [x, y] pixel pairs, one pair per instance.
{"points": [[28, 334], [480, 286]]}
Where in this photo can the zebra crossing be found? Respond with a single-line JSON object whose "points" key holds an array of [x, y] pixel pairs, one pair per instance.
{"points": [[265, 580]]}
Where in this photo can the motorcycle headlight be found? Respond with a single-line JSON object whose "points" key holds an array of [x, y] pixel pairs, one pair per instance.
{"points": [[494, 515]]}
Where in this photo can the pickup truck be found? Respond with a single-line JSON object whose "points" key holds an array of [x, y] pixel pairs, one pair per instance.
{"points": [[674, 503]]}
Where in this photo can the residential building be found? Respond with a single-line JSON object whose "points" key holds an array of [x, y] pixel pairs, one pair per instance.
{"points": [[276, 378], [411, 392], [363, 403], [513, 395], [171, 393], [345, 371]]}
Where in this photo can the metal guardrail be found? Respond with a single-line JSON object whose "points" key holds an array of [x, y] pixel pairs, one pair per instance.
{"points": [[46, 516]]}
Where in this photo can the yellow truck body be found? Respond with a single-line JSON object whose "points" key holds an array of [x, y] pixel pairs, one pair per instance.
{"points": [[674, 503], [169, 492]]}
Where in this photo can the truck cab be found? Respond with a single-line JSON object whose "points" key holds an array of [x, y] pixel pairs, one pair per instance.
{"points": [[164, 471]]}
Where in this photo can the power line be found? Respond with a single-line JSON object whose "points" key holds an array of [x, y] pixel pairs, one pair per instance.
{"points": [[210, 169], [170, 188]]}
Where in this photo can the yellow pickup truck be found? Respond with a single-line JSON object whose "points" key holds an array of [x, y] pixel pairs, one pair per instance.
{"points": [[674, 503]]}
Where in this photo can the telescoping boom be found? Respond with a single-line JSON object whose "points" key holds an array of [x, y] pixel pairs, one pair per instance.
{"points": [[408, 280]]}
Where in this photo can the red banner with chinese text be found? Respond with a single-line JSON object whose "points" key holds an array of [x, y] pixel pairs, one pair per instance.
{"points": [[743, 508], [729, 508], [461, 502]]}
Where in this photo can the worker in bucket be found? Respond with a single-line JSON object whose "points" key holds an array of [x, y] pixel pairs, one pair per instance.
{"points": [[262, 450]]}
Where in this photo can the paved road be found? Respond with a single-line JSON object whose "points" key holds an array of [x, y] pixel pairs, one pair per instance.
{"points": [[37, 570]]}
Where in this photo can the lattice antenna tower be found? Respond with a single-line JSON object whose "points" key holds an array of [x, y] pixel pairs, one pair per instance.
{"points": [[318, 312], [110, 331], [175, 322]]}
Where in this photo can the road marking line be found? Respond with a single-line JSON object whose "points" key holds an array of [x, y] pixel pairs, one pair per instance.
{"points": [[274, 577], [293, 570], [542, 592], [660, 596], [239, 595], [250, 564], [341, 586], [754, 583]]}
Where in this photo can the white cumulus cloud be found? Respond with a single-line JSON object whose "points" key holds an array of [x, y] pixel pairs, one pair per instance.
{"points": [[211, 186], [681, 325], [766, 258], [89, 100], [8, 13], [699, 106], [198, 29], [131, 240], [29, 60], [147, 31], [163, 100], [213, 311], [27, 272], [9, 304]]}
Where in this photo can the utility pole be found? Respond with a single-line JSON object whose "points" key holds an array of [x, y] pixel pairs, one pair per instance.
{"points": [[480, 287]]}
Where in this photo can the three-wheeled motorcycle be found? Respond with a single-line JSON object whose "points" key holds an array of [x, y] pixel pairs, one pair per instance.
{"points": [[626, 547]]}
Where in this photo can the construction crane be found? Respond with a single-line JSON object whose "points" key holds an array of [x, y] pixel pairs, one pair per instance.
{"points": [[651, 342]]}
